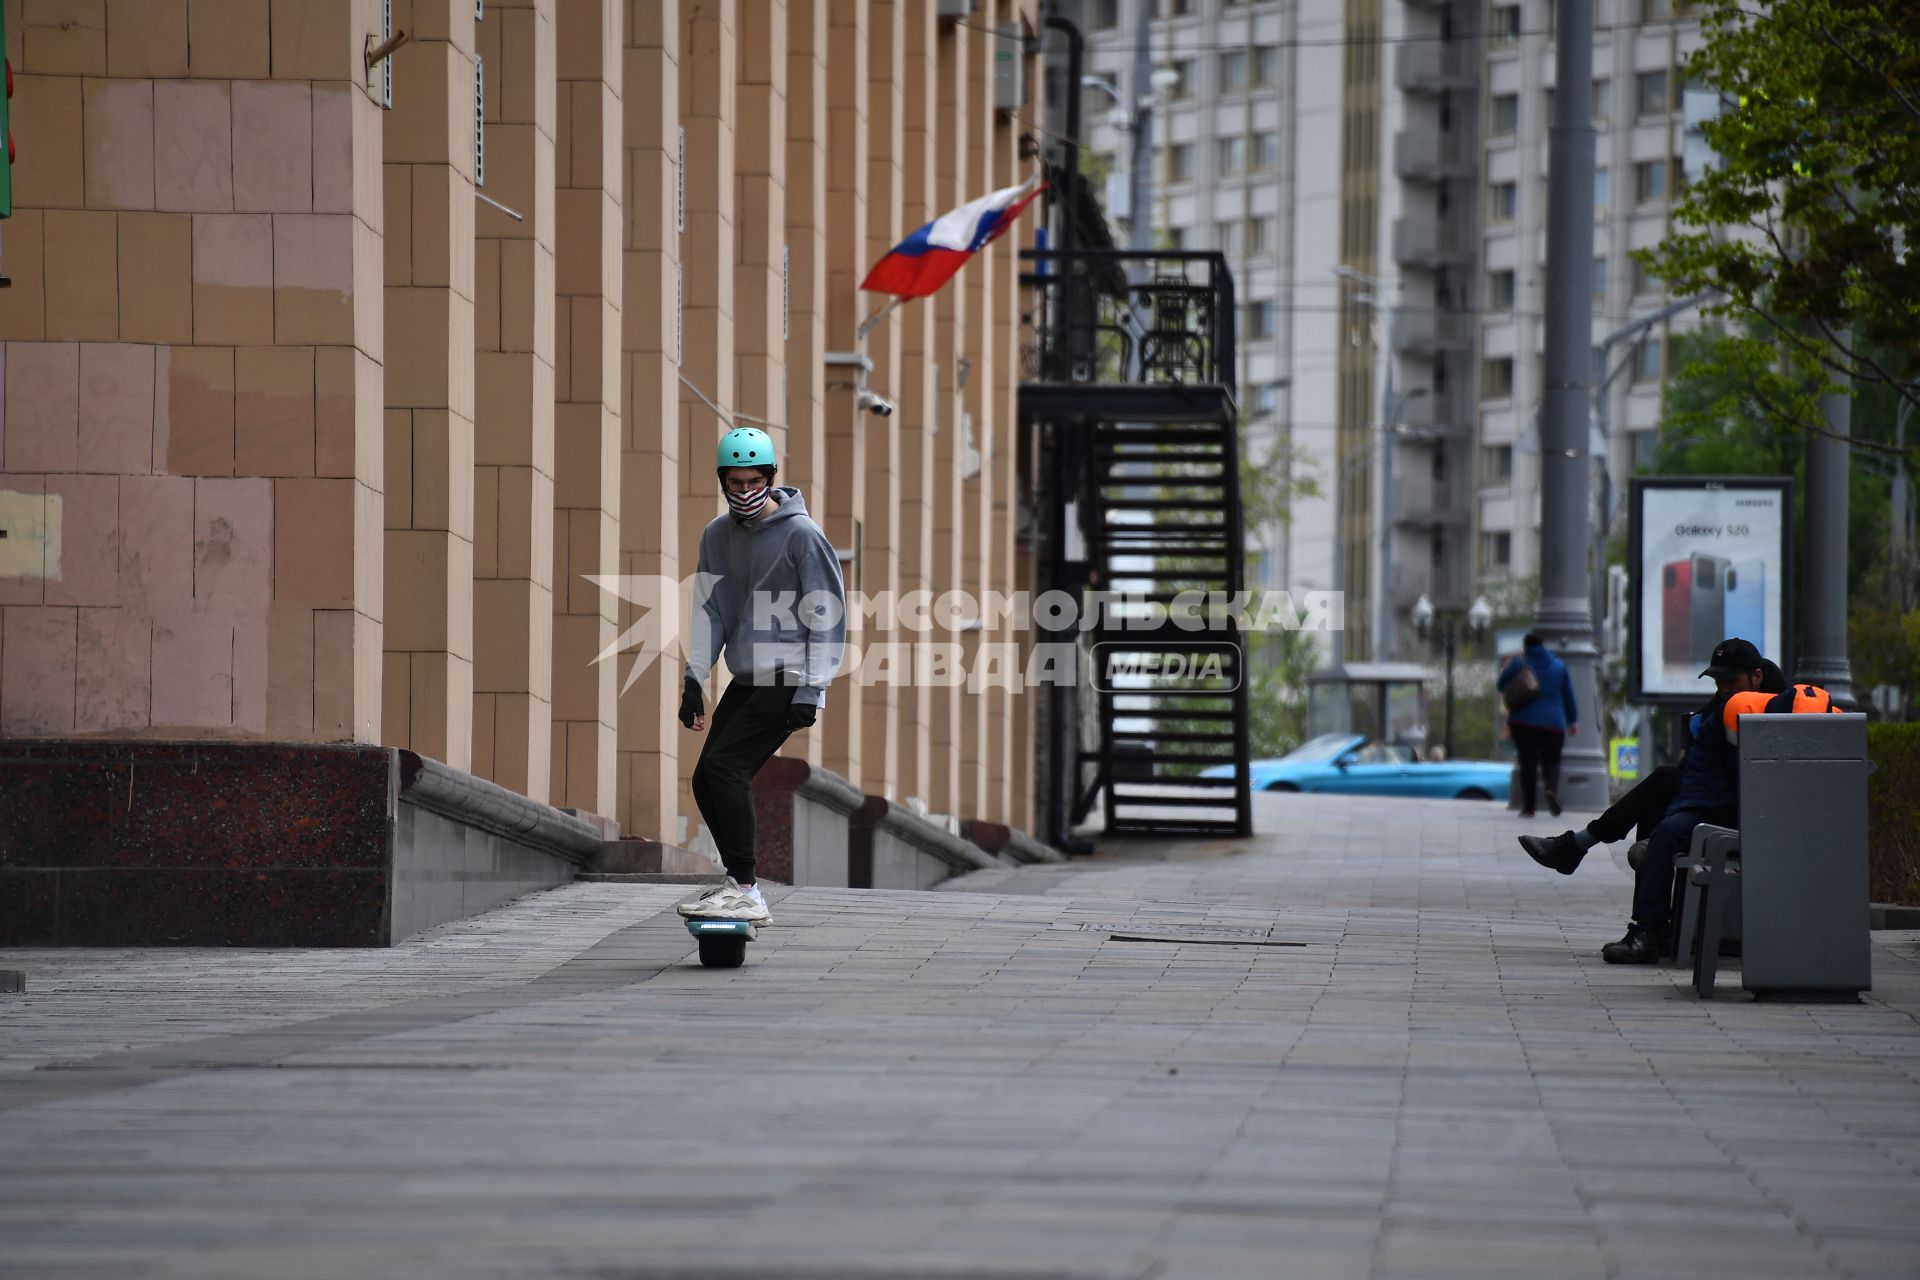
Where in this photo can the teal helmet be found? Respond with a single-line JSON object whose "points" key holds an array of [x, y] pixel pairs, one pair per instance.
{"points": [[745, 447]]}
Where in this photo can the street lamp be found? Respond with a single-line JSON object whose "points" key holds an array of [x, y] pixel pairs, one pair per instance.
{"points": [[1479, 618], [1136, 119], [1375, 296]]}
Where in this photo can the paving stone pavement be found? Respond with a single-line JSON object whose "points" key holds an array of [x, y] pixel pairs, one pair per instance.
{"points": [[1375, 1041]]}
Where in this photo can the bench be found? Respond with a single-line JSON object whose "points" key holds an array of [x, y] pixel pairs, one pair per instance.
{"points": [[1793, 877]]}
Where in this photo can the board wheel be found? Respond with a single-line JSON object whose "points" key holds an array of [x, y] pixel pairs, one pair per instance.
{"points": [[723, 952]]}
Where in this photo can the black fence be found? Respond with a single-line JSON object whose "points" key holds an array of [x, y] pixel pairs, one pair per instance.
{"points": [[1115, 317]]}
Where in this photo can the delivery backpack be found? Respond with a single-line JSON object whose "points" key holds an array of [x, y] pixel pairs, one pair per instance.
{"points": [[1799, 700]]}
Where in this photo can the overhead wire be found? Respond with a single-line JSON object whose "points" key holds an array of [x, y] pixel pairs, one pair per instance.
{"points": [[1347, 42]]}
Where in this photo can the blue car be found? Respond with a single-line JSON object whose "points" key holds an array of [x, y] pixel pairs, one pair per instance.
{"points": [[1347, 764]]}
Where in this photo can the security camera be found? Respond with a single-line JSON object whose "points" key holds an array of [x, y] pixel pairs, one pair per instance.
{"points": [[877, 405]]}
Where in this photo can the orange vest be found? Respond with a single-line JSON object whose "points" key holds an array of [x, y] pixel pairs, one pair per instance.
{"points": [[1800, 700]]}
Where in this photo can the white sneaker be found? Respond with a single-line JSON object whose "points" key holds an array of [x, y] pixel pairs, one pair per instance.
{"points": [[727, 901]]}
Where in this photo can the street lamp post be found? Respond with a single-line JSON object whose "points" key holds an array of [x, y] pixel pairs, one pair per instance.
{"points": [[1390, 408], [1478, 618], [1135, 118]]}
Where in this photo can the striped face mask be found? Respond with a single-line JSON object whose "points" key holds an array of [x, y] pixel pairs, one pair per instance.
{"points": [[745, 506]]}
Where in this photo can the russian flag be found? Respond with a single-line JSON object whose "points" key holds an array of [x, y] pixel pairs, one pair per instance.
{"points": [[927, 259]]}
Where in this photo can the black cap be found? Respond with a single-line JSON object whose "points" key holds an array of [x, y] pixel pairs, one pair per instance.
{"points": [[1733, 658]]}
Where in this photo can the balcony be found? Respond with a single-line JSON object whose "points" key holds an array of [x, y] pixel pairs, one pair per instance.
{"points": [[1430, 242], [1128, 337], [1427, 155], [1428, 66], [1430, 333], [1420, 500], [1448, 584]]}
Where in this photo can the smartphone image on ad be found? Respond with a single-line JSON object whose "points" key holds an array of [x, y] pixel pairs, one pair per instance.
{"points": [[1746, 601], [1676, 612], [1707, 625]]}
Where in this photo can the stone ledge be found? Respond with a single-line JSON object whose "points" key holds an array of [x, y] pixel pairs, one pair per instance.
{"points": [[636, 856], [476, 802], [1008, 842], [651, 877], [1887, 915]]}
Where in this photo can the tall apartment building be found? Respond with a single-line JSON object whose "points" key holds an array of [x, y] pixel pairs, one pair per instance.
{"points": [[1640, 48], [1301, 136], [1407, 257]]}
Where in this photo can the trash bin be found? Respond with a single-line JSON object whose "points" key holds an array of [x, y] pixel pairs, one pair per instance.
{"points": [[1803, 856]]}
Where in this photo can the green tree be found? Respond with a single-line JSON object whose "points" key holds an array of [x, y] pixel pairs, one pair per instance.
{"points": [[1713, 423], [1279, 663], [1818, 165]]}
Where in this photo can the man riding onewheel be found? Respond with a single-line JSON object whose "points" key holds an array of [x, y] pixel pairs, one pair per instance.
{"points": [[773, 603]]}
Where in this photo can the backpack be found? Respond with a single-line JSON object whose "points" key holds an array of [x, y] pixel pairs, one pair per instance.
{"points": [[1799, 700], [1522, 689]]}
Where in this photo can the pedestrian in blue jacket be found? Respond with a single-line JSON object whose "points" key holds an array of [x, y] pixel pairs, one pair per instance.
{"points": [[1541, 724]]}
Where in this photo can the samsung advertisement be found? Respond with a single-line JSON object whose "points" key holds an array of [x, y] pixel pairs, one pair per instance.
{"points": [[1710, 559]]}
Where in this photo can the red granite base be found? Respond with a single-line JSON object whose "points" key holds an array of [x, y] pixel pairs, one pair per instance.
{"points": [[189, 844]]}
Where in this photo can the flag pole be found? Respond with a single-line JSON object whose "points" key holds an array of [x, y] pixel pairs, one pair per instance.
{"points": [[866, 326]]}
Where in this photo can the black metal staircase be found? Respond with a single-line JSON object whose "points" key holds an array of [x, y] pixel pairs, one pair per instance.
{"points": [[1130, 377]]}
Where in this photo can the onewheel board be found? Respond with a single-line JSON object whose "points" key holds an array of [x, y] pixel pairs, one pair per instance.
{"points": [[723, 943]]}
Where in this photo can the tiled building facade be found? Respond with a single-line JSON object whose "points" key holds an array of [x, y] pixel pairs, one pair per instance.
{"points": [[320, 415]]}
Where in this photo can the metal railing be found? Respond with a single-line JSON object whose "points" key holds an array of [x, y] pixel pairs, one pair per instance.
{"points": [[1112, 316]]}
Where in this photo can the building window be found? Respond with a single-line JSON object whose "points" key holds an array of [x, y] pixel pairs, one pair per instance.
{"points": [[1266, 66], [1496, 550], [1230, 156], [1656, 10], [1267, 399], [1500, 290], [1176, 238], [1233, 71], [1180, 162], [1602, 98], [1172, 8], [1496, 378], [1602, 190], [1266, 150], [1259, 234], [1599, 281], [1644, 281], [1503, 24], [1506, 114], [1644, 446], [1103, 15], [1652, 97], [1649, 360], [1226, 237], [1503, 199], [1496, 464], [1259, 321], [1650, 181]]}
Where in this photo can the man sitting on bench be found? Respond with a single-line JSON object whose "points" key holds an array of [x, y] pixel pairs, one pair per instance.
{"points": [[1708, 792], [1638, 811]]}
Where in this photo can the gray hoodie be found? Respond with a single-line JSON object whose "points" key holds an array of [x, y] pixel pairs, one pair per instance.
{"points": [[772, 600]]}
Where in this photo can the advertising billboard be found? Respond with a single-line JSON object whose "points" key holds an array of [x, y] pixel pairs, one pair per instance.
{"points": [[1709, 559]]}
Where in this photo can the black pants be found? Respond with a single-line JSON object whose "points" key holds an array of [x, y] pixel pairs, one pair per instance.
{"points": [[1539, 749], [746, 729], [1653, 883], [1640, 809]]}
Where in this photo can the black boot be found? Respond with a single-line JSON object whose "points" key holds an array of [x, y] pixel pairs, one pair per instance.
{"points": [[1559, 853], [1642, 945], [1553, 801]]}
